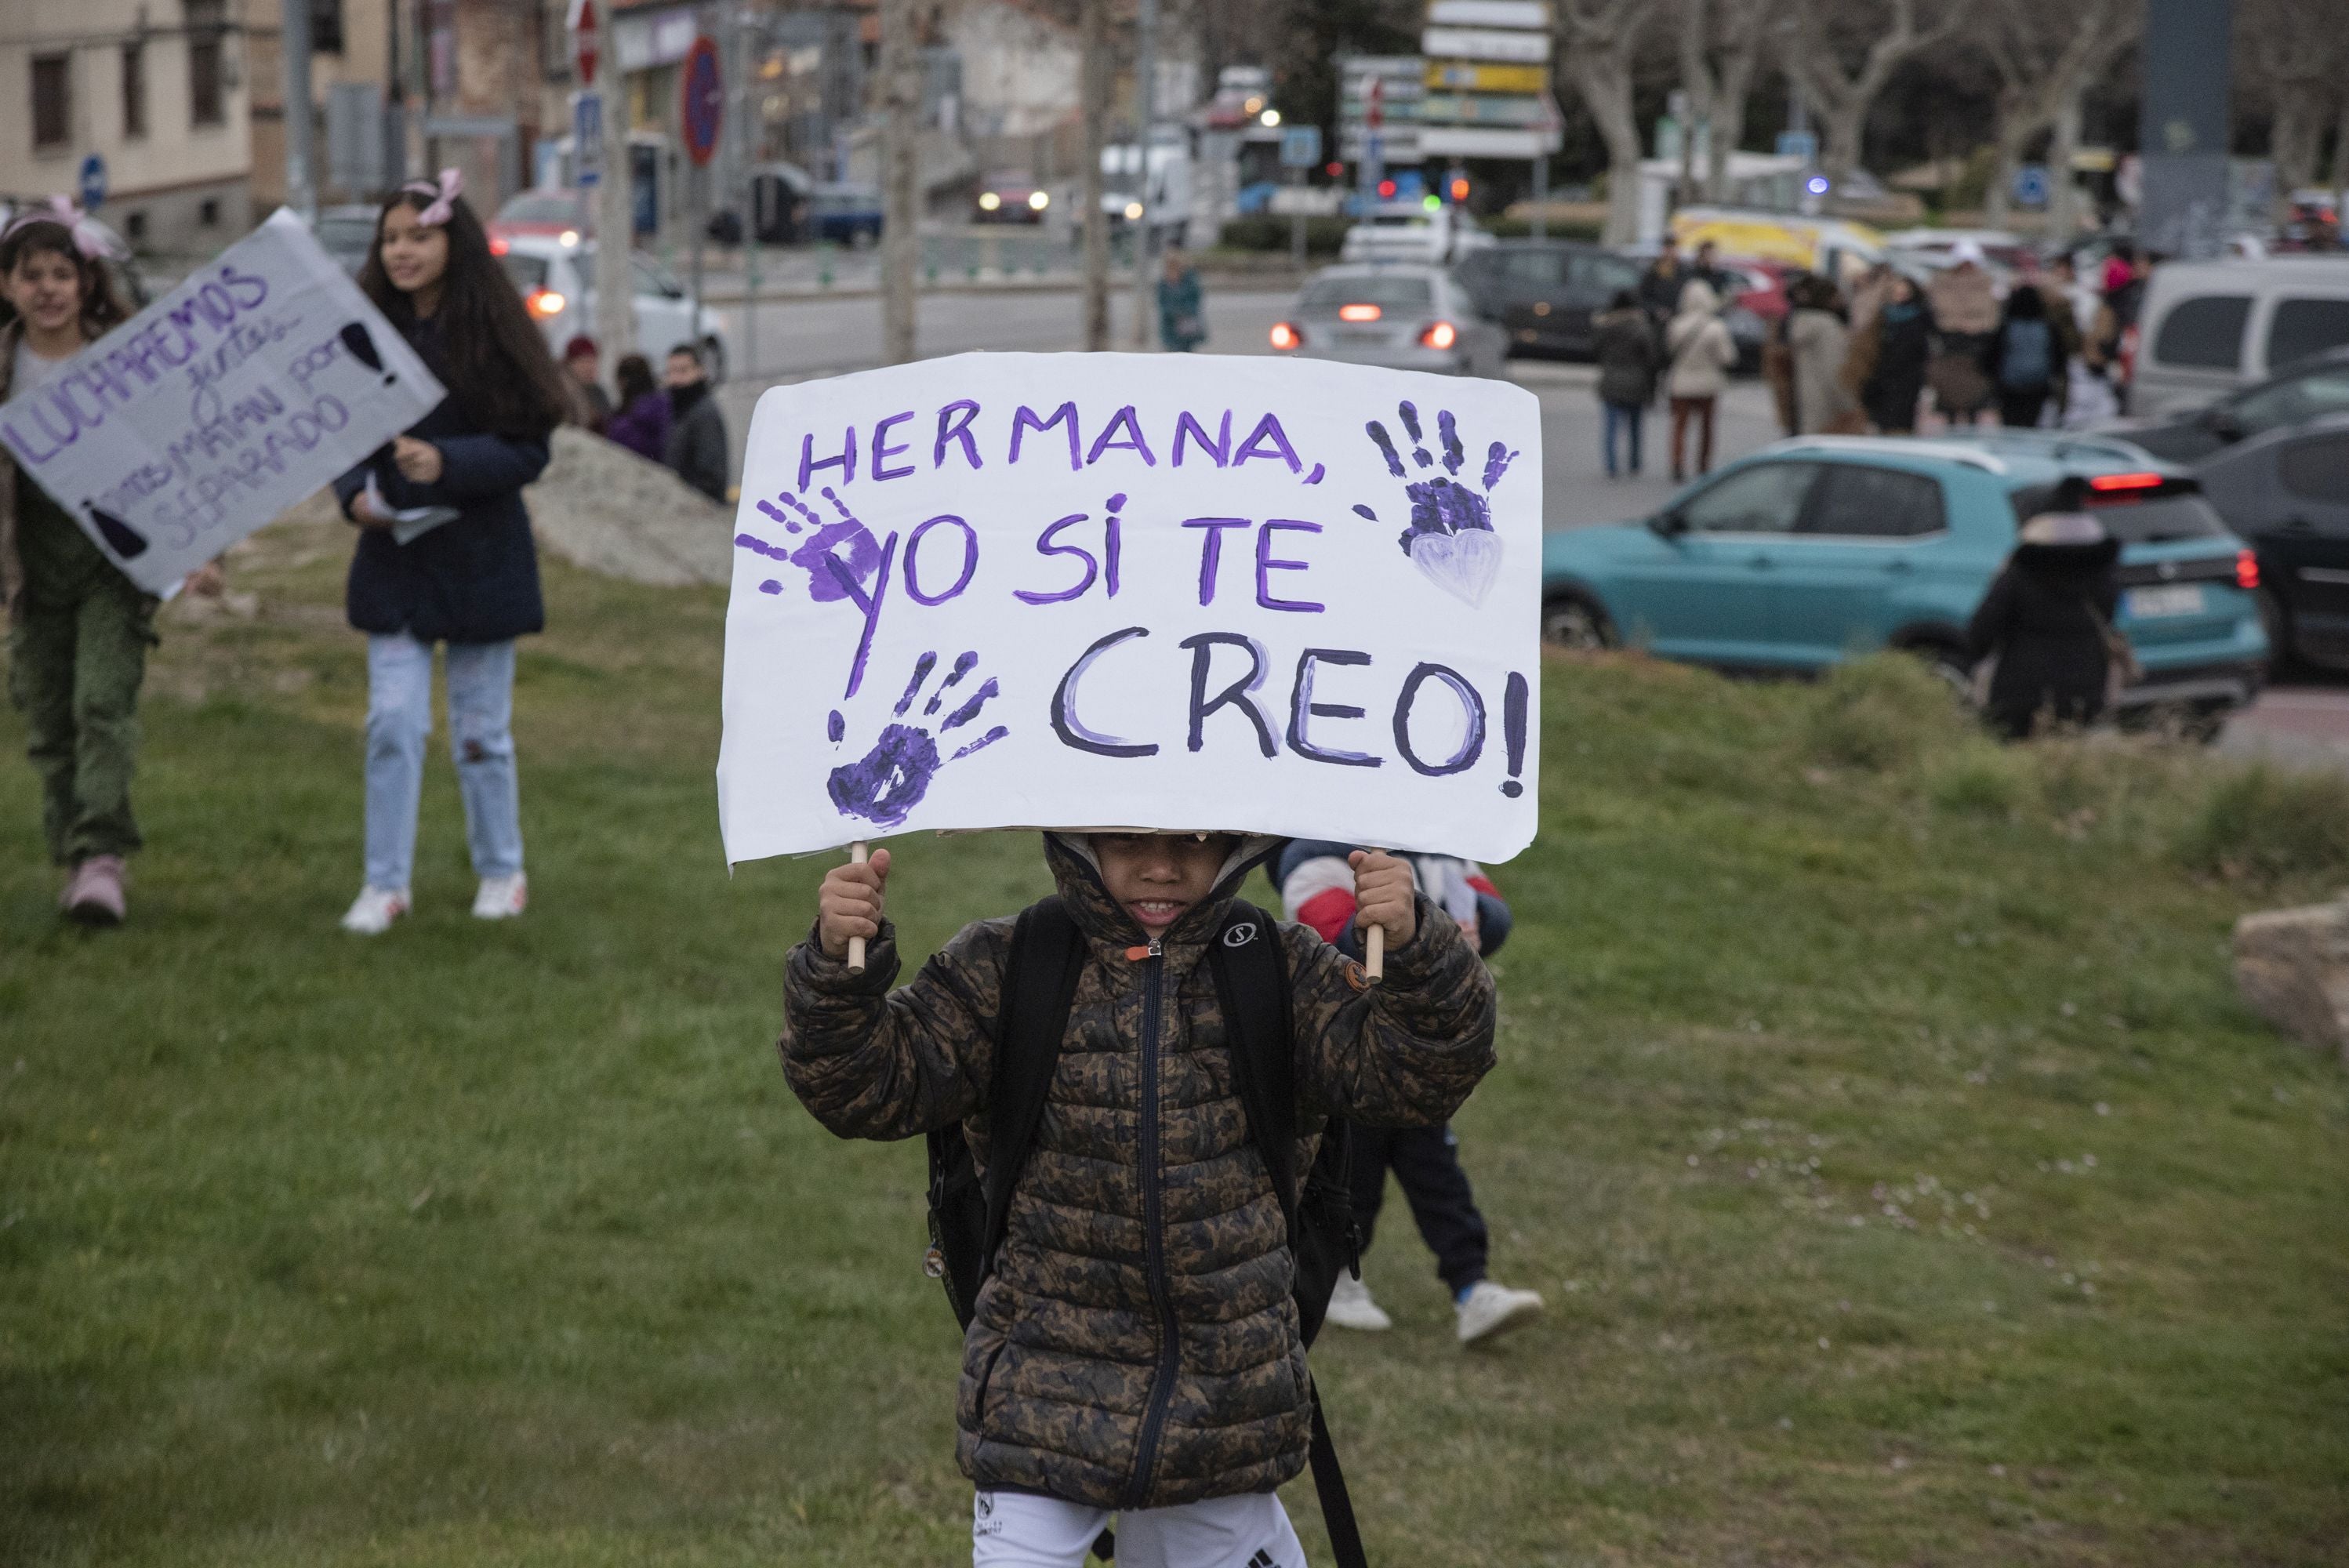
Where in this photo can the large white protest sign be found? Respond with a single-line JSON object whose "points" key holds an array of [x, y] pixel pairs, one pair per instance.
{"points": [[257, 380], [1172, 591]]}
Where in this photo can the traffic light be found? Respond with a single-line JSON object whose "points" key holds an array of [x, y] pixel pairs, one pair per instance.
{"points": [[1386, 190], [1334, 169], [1460, 187]]}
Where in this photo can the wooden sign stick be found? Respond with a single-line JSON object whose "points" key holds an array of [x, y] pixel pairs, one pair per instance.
{"points": [[1374, 954], [857, 856]]}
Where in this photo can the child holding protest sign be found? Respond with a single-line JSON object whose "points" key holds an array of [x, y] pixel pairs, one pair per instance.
{"points": [[78, 630], [445, 552], [1135, 1347]]}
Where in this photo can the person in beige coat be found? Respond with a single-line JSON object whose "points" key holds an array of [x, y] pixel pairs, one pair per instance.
{"points": [[1698, 353], [1818, 342]]}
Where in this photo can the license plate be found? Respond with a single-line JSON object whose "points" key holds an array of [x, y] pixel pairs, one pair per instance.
{"points": [[2151, 604], [1363, 335]]}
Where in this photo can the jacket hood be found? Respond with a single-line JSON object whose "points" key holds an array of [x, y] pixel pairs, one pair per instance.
{"points": [[1698, 298], [1076, 873]]}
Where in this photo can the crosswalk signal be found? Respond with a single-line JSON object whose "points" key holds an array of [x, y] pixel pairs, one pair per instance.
{"points": [[1459, 188]]}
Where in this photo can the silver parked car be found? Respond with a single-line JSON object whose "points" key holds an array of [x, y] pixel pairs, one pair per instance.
{"points": [[1404, 317]]}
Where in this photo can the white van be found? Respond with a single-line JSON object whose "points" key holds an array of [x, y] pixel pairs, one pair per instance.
{"points": [[2207, 327]]}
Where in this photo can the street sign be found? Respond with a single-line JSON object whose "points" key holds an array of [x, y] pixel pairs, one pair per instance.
{"points": [[1300, 146], [586, 139], [93, 182], [586, 34], [704, 93], [1463, 77], [2031, 186]]}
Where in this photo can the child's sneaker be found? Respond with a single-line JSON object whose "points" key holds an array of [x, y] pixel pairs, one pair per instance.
{"points": [[1491, 1307], [372, 913], [502, 898], [1350, 1306], [94, 895]]}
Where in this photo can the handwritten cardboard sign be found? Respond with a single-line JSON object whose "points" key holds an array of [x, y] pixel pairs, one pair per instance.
{"points": [[257, 380], [1169, 591]]}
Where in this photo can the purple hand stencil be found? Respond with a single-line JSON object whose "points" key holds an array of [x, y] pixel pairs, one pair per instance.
{"points": [[1451, 538], [886, 783]]}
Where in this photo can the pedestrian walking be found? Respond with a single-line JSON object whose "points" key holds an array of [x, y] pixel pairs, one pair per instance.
{"points": [[2043, 640], [1818, 343], [590, 405], [1893, 358], [444, 551], [696, 449], [1627, 357], [1182, 310], [2088, 398], [641, 423], [1164, 1379], [1659, 287], [78, 630], [1699, 353], [2027, 359], [1965, 312], [1316, 888]]}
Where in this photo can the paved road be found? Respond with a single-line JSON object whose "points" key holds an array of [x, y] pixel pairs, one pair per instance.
{"points": [[805, 338]]}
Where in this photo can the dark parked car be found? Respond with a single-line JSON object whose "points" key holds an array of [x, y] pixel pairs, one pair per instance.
{"points": [[2315, 387], [1545, 292], [2287, 493]]}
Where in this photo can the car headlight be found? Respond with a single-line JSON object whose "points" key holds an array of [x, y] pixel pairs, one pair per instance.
{"points": [[988, 201], [1038, 200]]}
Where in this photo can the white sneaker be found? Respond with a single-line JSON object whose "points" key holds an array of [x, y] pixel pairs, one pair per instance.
{"points": [[1350, 1306], [372, 913], [502, 898], [1492, 1309]]}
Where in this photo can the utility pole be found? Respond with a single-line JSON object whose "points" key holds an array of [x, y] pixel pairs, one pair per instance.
{"points": [[901, 239], [1092, 44], [294, 48], [614, 284], [1145, 116]]}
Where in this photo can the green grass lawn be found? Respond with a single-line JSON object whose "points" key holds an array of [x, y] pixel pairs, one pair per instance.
{"points": [[1874, 1110]]}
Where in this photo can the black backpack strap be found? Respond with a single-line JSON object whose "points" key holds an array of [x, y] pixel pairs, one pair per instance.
{"points": [[1040, 985], [1330, 1486], [1251, 975]]}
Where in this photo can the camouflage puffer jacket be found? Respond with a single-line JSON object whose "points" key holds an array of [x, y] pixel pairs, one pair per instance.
{"points": [[1136, 1345]]}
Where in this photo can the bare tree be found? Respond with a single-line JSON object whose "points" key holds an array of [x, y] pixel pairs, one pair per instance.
{"points": [[1097, 69], [2046, 57], [1884, 35], [2294, 55], [901, 131], [1720, 50], [1600, 42]]}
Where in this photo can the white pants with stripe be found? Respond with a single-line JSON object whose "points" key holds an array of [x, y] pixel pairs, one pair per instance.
{"points": [[1014, 1529]]}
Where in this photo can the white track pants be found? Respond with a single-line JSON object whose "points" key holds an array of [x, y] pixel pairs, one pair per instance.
{"points": [[1014, 1530]]}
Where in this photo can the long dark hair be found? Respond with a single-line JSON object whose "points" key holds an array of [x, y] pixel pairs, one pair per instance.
{"points": [[101, 307], [493, 356], [635, 379]]}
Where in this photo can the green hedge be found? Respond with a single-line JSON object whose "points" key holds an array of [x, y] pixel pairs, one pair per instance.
{"points": [[1269, 232], [1519, 229]]}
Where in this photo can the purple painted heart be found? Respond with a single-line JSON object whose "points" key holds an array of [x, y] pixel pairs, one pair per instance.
{"points": [[1462, 564]]}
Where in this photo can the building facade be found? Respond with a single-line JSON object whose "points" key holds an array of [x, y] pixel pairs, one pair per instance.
{"points": [[156, 89]]}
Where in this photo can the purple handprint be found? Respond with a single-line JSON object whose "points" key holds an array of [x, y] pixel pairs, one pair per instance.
{"points": [[836, 556], [886, 783], [1451, 538]]}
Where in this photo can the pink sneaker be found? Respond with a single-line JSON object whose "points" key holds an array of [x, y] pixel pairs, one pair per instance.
{"points": [[94, 896]]}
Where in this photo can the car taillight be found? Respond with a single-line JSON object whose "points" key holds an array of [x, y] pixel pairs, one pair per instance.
{"points": [[1442, 335], [498, 246], [1284, 336], [545, 303], [2247, 569], [1358, 312], [2135, 481]]}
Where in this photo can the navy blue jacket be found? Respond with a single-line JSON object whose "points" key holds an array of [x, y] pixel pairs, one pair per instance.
{"points": [[474, 580]]}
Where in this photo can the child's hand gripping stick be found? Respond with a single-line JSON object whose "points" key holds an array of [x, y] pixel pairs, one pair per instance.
{"points": [[848, 906], [1383, 904]]}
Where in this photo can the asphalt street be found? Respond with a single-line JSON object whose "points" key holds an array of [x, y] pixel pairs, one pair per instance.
{"points": [[2305, 722]]}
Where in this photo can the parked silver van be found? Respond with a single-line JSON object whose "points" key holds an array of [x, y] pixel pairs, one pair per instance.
{"points": [[2207, 327]]}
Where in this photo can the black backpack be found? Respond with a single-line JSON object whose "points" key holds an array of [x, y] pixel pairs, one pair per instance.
{"points": [[968, 1216]]}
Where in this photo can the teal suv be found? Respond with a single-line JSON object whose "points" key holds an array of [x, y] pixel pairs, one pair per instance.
{"points": [[1817, 550]]}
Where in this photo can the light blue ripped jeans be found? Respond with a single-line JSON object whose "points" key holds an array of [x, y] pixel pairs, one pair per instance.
{"points": [[480, 740]]}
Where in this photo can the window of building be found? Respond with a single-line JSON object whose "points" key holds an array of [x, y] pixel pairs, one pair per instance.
{"points": [[326, 27], [205, 80], [134, 90], [52, 100], [134, 227], [208, 212]]}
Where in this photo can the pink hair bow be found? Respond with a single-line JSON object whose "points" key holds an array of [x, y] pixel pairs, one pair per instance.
{"points": [[87, 237], [444, 194]]}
